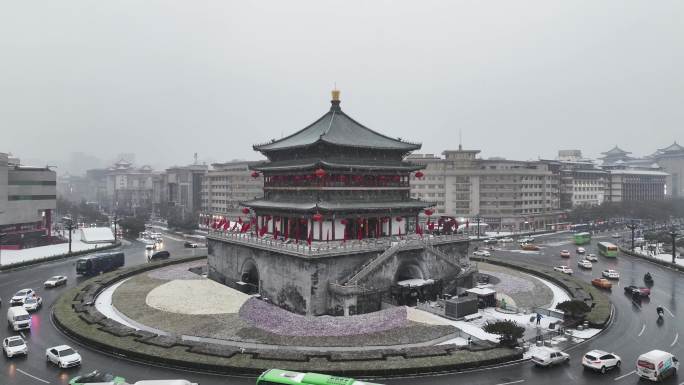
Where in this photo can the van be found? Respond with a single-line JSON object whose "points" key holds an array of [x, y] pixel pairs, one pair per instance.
{"points": [[656, 365], [18, 318]]}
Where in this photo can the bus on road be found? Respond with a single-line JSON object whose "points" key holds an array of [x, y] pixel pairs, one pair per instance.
{"points": [[278, 376], [607, 249], [99, 263], [582, 238]]}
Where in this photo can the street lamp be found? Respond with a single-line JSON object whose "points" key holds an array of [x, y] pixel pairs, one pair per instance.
{"points": [[116, 220], [632, 226], [70, 226], [673, 233], [477, 220]]}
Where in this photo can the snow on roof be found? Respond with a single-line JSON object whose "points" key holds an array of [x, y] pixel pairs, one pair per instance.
{"points": [[97, 235], [481, 291], [638, 172]]}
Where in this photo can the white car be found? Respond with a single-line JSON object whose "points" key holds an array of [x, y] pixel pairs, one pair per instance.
{"points": [[32, 303], [601, 361], [611, 274], [563, 269], [591, 257], [508, 239], [616, 235], [584, 263], [149, 247], [581, 250], [63, 356], [19, 297], [14, 346], [482, 253], [55, 281], [548, 356]]}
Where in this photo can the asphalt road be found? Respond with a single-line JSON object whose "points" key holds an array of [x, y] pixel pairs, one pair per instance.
{"points": [[633, 332]]}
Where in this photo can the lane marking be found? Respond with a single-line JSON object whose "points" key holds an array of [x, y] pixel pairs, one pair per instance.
{"points": [[675, 340], [625, 375], [669, 312], [512, 382], [642, 330], [32, 376]]}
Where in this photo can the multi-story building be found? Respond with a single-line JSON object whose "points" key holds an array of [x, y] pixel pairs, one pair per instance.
{"points": [[126, 189], [28, 197], [75, 188], [671, 159], [226, 185], [581, 181], [182, 188], [506, 194], [633, 179]]}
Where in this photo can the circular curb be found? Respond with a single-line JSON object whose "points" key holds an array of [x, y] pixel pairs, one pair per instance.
{"points": [[188, 355]]}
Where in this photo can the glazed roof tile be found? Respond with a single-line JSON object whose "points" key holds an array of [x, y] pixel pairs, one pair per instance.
{"points": [[336, 127]]}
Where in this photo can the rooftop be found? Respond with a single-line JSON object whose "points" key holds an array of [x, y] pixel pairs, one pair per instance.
{"points": [[336, 127]]}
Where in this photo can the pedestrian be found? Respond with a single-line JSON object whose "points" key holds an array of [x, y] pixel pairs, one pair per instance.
{"points": [[470, 341], [539, 317]]}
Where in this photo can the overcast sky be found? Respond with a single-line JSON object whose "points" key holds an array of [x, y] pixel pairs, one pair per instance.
{"points": [[165, 79]]}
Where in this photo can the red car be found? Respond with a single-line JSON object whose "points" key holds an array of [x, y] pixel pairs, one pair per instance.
{"points": [[565, 254], [642, 291]]}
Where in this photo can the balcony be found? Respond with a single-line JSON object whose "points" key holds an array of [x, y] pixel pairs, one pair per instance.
{"points": [[331, 248]]}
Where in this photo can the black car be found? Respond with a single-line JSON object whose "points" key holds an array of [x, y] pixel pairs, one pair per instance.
{"points": [[160, 255], [191, 245]]}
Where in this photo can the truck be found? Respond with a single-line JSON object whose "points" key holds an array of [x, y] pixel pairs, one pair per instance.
{"points": [[99, 263]]}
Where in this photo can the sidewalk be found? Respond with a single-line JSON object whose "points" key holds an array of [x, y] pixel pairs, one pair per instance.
{"points": [[11, 257]]}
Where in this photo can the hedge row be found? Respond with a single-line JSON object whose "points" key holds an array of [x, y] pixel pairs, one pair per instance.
{"points": [[76, 316], [599, 315], [57, 257]]}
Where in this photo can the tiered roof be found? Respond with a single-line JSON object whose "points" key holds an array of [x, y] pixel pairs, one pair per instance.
{"points": [[337, 128]]}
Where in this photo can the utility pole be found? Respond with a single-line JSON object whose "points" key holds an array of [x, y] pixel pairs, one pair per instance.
{"points": [[673, 233], [478, 219], [2, 235], [632, 226], [116, 220]]}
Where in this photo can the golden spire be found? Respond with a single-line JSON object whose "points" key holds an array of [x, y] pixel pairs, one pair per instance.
{"points": [[336, 95]]}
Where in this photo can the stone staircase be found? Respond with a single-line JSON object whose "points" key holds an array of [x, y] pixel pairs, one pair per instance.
{"points": [[373, 264]]}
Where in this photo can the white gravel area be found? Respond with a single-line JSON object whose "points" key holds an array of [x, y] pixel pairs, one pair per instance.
{"points": [[413, 314], [199, 296]]}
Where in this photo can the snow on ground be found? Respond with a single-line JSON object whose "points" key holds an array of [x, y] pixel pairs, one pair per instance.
{"points": [[15, 256], [97, 235], [559, 295], [200, 296], [458, 341], [584, 334], [668, 258]]}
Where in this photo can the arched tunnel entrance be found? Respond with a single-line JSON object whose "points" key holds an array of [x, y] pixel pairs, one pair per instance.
{"points": [[249, 279], [412, 285]]}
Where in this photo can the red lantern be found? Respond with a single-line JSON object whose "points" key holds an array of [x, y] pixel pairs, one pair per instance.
{"points": [[419, 174], [245, 210], [320, 173], [317, 217], [303, 221], [429, 212], [385, 219], [344, 221], [267, 218], [399, 219], [255, 174]]}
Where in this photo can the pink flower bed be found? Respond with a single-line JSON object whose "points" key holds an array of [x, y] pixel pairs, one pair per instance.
{"points": [[279, 321]]}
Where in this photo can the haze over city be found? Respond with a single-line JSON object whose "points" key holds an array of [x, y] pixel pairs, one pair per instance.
{"points": [[163, 80]]}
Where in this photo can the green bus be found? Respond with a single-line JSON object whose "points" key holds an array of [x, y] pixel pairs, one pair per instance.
{"points": [[279, 376], [607, 249], [582, 238]]}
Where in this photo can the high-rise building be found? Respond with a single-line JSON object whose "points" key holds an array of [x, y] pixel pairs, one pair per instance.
{"points": [[182, 188]]}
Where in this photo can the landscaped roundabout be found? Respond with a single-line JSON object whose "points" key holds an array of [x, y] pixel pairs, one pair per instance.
{"points": [[164, 313]]}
